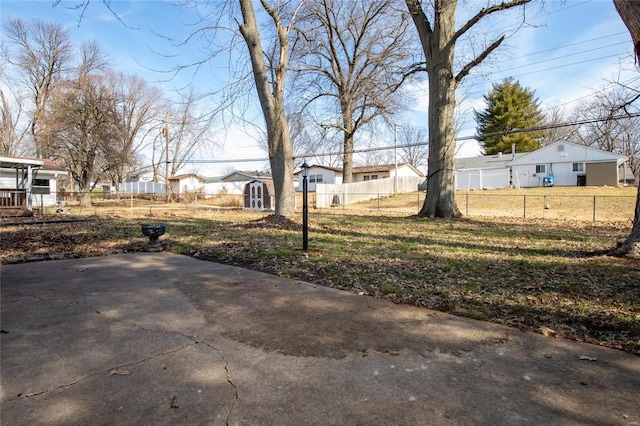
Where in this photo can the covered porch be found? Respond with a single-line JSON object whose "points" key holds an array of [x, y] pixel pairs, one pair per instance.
{"points": [[15, 185]]}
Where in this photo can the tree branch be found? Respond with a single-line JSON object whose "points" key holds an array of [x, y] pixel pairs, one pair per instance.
{"points": [[485, 12], [467, 68]]}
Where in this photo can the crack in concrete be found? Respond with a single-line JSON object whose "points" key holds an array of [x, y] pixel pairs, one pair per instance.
{"points": [[195, 341], [228, 378], [110, 369], [20, 294]]}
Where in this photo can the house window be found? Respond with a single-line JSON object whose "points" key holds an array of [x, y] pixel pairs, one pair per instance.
{"points": [[370, 177], [312, 178], [541, 168], [366, 177], [40, 186], [578, 167], [318, 178]]}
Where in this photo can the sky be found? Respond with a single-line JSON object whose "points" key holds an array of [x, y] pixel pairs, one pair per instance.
{"points": [[568, 50]]}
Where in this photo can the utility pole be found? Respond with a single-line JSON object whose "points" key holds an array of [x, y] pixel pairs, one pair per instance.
{"points": [[165, 131], [395, 153]]}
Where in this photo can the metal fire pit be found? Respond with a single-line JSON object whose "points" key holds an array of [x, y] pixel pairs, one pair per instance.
{"points": [[153, 231]]}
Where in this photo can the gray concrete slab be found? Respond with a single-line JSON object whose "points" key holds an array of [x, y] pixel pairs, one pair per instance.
{"points": [[163, 339]]}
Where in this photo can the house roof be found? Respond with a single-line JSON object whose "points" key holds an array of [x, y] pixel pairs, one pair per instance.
{"points": [[50, 165], [383, 168], [187, 176], [320, 166], [568, 152], [487, 161], [41, 163], [239, 175]]}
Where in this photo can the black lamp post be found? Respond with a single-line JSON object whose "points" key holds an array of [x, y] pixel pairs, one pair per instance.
{"points": [[305, 207]]}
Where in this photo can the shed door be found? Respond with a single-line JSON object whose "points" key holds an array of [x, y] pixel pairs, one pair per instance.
{"points": [[256, 193]]}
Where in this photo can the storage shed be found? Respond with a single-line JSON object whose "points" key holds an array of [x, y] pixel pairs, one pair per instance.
{"points": [[259, 195]]}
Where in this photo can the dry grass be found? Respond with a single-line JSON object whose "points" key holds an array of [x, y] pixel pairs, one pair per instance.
{"points": [[609, 203], [534, 274]]}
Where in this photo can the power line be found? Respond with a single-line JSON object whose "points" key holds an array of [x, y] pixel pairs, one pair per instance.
{"points": [[565, 56], [551, 49], [458, 139]]}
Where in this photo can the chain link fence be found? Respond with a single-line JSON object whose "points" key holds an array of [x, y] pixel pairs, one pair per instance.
{"points": [[521, 204]]}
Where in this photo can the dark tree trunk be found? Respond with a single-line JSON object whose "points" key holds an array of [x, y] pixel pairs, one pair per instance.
{"points": [[629, 11], [440, 200], [271, 95]]}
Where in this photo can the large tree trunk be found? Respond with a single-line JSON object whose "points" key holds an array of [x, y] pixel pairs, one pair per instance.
{"points": [[347, 143], [281, 161], [629, 11], [440, 200], [271, 97], [631, 246], [85, 189], [438, 39]]}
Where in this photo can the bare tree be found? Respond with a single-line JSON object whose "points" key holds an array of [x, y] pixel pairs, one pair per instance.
{"points": [[12, 135], [413, 147], [270, 85], [438, 37], [629, 11], [350, 61], [137, 105], [188, 131], [555, 118], [42, 51], [82, 120]]}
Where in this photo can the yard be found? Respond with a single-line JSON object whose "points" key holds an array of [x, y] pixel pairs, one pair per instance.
{"points": [[538, 274]]}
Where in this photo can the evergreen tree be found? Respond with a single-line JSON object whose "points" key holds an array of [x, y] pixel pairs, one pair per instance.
{"points": [[509, 106]]}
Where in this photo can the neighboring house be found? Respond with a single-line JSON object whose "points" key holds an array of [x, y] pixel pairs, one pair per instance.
{"points": [[568, 164], [181, 184], [319, 174], [233, 183], [142, 175], [332, 175], [384, 171], [27, 182]]}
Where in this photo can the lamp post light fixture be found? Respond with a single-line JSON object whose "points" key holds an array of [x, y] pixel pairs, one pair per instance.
{"points": [[305, 207]]}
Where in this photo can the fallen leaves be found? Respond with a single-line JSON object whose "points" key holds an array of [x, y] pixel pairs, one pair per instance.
{"points": [[536, 275]]}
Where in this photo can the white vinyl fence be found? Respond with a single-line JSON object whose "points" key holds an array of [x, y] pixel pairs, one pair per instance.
{"points": [[351, 193], [482, 179], [142, 188]]}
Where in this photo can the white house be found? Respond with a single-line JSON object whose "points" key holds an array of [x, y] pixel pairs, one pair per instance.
{"points": [[181, 184], [568, 164], [27, 182], [332, 175], [319, 174], [232, 183]]}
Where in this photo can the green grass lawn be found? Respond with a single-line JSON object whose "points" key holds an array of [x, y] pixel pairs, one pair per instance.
{"points": [[529, 274]]}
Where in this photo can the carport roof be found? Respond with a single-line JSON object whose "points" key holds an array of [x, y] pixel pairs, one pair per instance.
{"points": [[16, 163]]}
